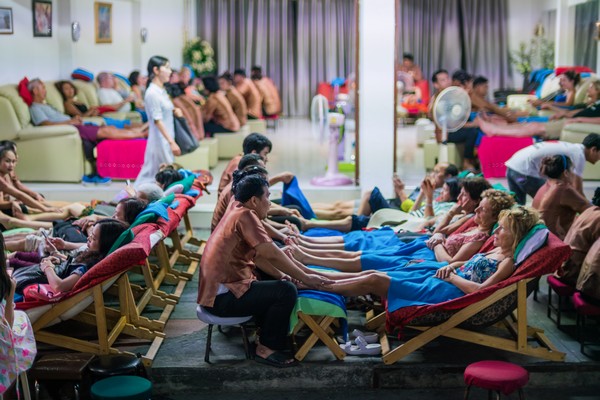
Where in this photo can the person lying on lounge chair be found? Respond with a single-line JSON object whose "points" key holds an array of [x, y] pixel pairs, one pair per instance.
{"points": [[396, 254], [552, 128], [436, 282], [62, 273]]}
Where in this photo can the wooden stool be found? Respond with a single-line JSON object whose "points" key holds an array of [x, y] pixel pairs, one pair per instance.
{"points": [[563, 291], [583, 309], [116, 365], [62, 367], [122, 388], [498, 376]]}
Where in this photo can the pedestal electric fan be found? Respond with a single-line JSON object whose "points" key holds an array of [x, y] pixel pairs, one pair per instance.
{"points": [[332, 176], [451, 111]]}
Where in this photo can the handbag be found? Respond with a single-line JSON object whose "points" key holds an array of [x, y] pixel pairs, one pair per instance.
{"points": [[41, 291], [184, 138]]}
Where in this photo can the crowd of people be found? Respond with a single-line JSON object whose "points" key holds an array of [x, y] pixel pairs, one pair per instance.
{"points": [[260, 252], [208, 105], [492, 119]]}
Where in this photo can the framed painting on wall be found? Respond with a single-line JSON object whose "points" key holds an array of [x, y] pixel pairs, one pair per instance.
{"points": [[103, 22], [6, 21], [42, 18]]}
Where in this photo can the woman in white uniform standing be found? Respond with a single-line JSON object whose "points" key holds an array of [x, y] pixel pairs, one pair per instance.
{"points": [[161, 147]]}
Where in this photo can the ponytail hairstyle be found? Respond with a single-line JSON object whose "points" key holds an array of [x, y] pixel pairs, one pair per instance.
{"points": [[248, 187], [573, 76], [249, 159], [155, 61], [554, 166], [238, 174], [4, 278]]}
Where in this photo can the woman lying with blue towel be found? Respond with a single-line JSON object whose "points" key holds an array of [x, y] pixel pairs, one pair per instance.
{"points": [[456, 247], [431, 282]]}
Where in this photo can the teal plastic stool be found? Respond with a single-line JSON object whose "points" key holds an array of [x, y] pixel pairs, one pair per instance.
{"points": [[122, 388]]}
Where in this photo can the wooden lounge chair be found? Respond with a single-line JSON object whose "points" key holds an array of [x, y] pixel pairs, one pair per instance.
{"points": [[85, 303], [457, 318]]}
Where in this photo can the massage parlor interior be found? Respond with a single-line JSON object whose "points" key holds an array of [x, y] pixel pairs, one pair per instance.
{"points": [[385, 94]]}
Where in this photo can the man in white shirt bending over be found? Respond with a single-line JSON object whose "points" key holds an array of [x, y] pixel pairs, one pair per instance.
{"points": [[523, 168]]}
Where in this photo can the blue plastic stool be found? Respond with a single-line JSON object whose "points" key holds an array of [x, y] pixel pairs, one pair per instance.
{"points": [[122, 388]]}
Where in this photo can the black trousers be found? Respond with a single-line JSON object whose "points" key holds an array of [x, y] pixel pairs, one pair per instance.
{"points": [[212, 127], [88, 152], [468, 136], [269, 302]]}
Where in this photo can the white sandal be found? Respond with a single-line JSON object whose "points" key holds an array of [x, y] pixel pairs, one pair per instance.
{"points": [[370, 337], [362, 348]]}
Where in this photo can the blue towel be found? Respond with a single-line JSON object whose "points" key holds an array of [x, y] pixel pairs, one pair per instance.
{"points": [[533, 119], [294, 196], [322, 232], [117, 123], [157, 208]]}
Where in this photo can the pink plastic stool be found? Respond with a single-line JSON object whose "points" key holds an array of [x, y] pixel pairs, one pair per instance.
{"points": [[120, 159], [494, 151], [497, 376], [584, 309], [563, 291]]}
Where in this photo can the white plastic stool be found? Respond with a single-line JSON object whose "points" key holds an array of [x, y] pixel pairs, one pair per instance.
{"points": [[211, 320]]}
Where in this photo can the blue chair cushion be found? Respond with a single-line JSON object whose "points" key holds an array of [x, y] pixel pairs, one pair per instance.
{"points": [[122, 388]]}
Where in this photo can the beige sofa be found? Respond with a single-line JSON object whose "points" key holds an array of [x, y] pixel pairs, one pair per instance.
{"points": [[46, 153], [575, 133], [87, 93]]}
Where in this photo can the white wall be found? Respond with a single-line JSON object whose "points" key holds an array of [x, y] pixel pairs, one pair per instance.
{"points": [[376, 93], [55, 57], [523, 16]]}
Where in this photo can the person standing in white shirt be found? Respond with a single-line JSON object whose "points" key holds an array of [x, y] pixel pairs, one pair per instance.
{"points": [[161, 147]]}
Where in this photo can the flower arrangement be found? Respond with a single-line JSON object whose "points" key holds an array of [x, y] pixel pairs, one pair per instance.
{"points": [[199, 55]]}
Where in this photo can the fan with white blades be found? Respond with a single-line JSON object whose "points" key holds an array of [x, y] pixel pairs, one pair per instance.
{"points": [[451, 111]]}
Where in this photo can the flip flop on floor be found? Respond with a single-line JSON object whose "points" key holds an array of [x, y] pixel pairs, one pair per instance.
{"points": [[362, 348], [276, 359]]}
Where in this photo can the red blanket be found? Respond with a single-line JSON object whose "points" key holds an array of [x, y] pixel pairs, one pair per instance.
{"points": [[545, 261]]}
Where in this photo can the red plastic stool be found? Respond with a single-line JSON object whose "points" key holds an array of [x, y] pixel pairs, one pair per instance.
{"points": [[583, 309], [498, 376], [563, 291], [272, 118]]}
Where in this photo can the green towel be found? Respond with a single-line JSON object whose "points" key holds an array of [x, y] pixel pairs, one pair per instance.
{"points": [[315, 307]]}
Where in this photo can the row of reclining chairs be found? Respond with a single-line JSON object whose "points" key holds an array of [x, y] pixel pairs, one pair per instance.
{"points": [[464, 317], [85, 302]]}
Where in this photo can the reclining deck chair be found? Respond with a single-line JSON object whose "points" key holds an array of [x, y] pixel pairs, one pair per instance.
{"points": [[85, 303], [456, 318]]}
